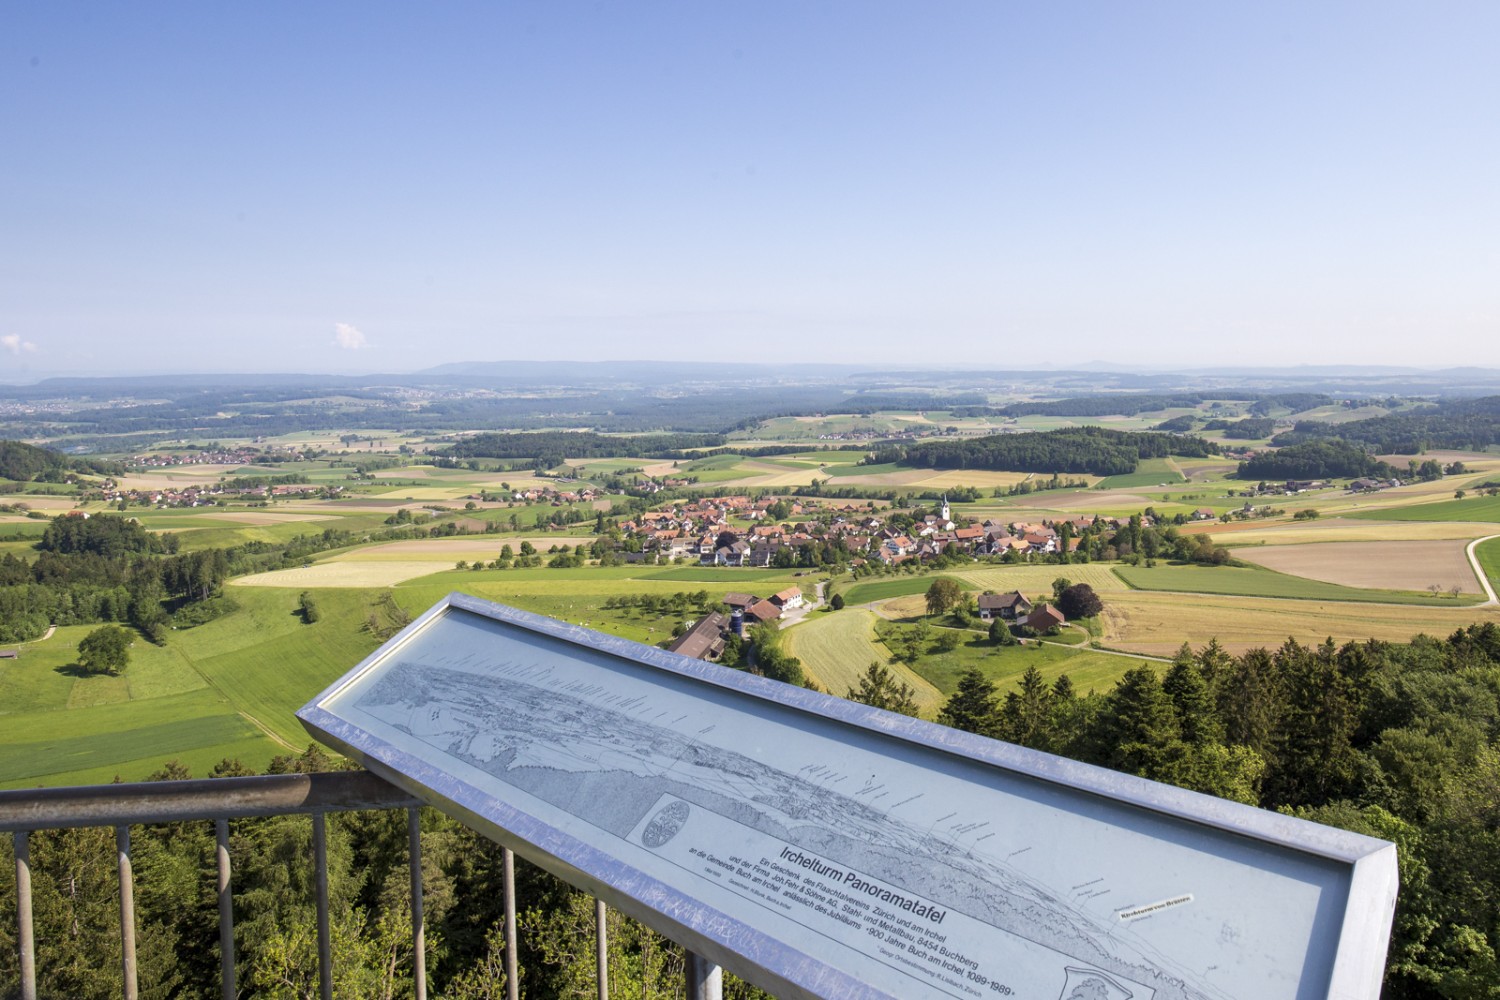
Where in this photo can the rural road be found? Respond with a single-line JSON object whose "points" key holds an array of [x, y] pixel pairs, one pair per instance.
{"points": [[1484, 581]]}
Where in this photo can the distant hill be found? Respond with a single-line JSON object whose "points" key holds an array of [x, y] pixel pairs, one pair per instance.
{"points": [[1461, 425]]}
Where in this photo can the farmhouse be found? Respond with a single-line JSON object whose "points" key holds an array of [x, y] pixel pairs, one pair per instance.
{"points": [[789, 598], [1045, 618], [1006, 606], [705, 640]]}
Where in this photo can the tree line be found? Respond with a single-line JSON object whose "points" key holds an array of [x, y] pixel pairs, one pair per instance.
{"points": [[1398, 741], [1096, 451]]}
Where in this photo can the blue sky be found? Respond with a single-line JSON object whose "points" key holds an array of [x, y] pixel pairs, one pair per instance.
{"points": [[382, 186]]}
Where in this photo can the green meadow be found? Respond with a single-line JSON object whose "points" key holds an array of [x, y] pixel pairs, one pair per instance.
{"points": [[1472, 508]]}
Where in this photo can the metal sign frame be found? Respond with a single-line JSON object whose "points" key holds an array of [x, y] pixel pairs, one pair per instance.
{"points": [[1354, 914]]}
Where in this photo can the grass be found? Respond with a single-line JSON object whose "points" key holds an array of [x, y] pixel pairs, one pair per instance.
{"points": [[1150, 472], [1488, 554], [1257, 582], [1004, 665], [837, 648], [131, 739], [1474, 508]]}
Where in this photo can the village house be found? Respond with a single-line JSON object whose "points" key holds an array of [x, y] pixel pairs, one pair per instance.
{"points": [[1008, 607], [1044, 619], [705, 640]]}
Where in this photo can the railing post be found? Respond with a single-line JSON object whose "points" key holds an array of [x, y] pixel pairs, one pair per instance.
{"points": [[25, 937], [325, 938], [705, 980], [512, 975], [601, 948], [418, 934], [226, 911], [127, 911]]}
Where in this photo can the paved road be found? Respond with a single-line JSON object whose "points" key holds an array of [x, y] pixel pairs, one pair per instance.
{"points": [[1484, 581]]}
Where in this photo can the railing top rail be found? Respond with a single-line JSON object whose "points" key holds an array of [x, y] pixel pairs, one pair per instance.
{"points": [[201, 799]]}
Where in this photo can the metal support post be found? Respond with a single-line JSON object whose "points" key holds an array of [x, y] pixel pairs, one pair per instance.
{"points": [[418, 935], [226, 911], [512, 974], [705, 980], [25, 937], [601, 946], [127, 911], [325, 937]]}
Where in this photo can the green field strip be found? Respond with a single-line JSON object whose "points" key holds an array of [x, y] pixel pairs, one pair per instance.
{"points": [[253, 752], [1235, 581], [729, 576], [1488, 554], [72, 751], [1478, 509]]}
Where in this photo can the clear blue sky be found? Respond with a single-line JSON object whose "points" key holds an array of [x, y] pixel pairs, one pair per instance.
{"points": [[384, 186]]}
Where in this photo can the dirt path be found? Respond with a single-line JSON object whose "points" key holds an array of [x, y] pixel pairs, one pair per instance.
{"points": [[1484, 581]]}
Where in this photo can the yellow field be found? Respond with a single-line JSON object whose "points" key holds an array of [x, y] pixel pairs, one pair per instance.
{"points": [[1033, 580], [1144, 622], [1402, 565], [42, 503], [842, 645], [465, 547], [262, 516], [981, 478], [1102, 501], [1346, 530], [350, 573]]}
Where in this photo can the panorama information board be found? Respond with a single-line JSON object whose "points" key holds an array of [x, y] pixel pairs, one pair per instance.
{"points": [[821, 848]]}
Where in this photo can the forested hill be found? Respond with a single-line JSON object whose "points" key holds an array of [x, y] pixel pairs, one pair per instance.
{"points": [[1463, 425], [1095, 451], [1315, 460], [26, 463], [545, 449]]}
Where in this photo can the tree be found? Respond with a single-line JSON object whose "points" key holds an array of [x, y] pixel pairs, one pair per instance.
{"points": [[942, 595], [105, 650], [838, 602], [972, 707], [1079, 601], [1000, 634], [1059, 585], [879, 688]]}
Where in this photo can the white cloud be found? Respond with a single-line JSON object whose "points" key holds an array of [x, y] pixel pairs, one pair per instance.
{"points": [[13, 343], [348, 337]]}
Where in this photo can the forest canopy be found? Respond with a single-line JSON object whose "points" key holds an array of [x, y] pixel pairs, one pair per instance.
{"points": [[1096, 451]]}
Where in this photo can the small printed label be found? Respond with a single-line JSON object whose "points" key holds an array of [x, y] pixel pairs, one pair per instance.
{"points": [[1137, 912]]}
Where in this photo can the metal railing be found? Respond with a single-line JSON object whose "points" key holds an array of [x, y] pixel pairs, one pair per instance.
{"points": [[223, 799]]}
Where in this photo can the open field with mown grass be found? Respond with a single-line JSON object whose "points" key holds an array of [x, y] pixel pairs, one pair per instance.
{"points": [[1029, 580], [1004, 665], [1339, 529], [1158, 623], [1399, 565], [837, 647], [59, 726]]}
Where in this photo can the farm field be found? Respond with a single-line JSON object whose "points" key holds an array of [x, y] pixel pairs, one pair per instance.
{"points": [[1241, 534], [62, 727], [1400, 565], [1476, 508], [836, 648], [1257, 582], [1158, 623]]}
